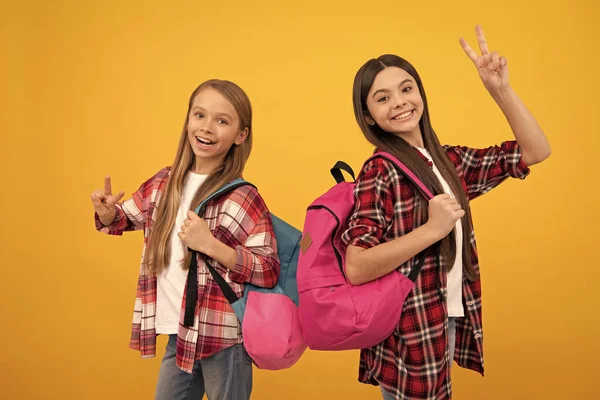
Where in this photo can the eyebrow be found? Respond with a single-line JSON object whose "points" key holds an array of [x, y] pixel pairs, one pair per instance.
{"points": [[387, 90], [220, 114]]}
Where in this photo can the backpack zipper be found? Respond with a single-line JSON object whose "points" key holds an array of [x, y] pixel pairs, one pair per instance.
{"points": [[335, 250]]}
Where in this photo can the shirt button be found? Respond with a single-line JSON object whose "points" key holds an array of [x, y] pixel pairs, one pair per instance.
{"points": [[470, 303], [477, 335]]}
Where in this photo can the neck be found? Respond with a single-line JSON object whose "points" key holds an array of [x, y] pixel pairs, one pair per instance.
{"points": [[414, 138], [206, 166]]}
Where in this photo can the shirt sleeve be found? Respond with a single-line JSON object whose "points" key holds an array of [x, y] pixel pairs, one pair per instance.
{"points": [[484, 169], [245, 217], [374, 206]]}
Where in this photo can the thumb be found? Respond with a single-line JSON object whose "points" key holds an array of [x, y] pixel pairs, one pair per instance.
{"points": [[503, 67], [192, 216]]}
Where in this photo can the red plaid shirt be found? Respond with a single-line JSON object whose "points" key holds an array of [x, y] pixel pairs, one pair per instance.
{"points": [[239, 219], [413, 362]]}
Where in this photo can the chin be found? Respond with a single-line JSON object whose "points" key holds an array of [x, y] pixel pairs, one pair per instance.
{"points": [[401, 132]]}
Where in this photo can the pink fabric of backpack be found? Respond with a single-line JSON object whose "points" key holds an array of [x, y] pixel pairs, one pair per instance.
{"points": [[334, 314]]}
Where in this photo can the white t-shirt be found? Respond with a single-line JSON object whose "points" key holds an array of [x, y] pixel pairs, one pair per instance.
{"points": [[454, 299], [171, 282]]}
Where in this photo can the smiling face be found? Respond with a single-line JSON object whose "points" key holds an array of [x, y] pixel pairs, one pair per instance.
{"points": [[395, 104], [213, 127]]}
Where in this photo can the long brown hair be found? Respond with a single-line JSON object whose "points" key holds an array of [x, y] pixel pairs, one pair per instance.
{"points": [[402, 150], [158, 251]]}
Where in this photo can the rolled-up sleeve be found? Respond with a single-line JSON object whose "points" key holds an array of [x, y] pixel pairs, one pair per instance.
{"points": [[484, 169]]}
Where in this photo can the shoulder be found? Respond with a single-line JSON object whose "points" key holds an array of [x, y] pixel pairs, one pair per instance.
{"points": [[381, 170], [156, 182], [159, 177], [454, 153], [246, 200]]}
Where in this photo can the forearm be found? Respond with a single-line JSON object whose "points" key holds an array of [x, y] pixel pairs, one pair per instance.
{"points": [[365, 265], [225, 255], [244, 265], [527, 132]]}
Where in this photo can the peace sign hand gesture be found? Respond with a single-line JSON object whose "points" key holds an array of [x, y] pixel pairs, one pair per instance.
{"points": [[104, 202], [493, 70]]}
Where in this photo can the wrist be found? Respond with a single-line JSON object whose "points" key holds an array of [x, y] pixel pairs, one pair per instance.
{"points": [[107, 220], [503, 95], [221, 252], [432, 232], [210, 247]]}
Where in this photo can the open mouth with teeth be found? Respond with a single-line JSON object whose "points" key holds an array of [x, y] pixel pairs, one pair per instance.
{"points": [[204, 142], [404, 115]]}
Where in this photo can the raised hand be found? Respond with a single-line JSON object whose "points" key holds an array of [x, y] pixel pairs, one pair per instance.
{"points": [[104, 202], [493, 69]]}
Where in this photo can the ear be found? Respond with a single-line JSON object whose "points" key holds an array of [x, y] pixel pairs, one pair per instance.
{"points": [[241, 137], [369, 120]]}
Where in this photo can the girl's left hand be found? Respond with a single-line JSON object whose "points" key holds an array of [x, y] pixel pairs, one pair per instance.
{"points": [[493, 70], [195, 233]]}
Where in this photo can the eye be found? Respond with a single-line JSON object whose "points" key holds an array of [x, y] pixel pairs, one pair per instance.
{"points": [[222, 121], [199, 115], [407, 89], [382, 99]]}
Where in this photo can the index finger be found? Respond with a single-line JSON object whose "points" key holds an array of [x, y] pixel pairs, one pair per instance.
{"points": [[107, 185], [443, 196], [481, 39], [468, 50]]}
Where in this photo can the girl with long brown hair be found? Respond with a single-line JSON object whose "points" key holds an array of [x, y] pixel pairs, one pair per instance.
{"points": [[235, 233], [393, 226]]}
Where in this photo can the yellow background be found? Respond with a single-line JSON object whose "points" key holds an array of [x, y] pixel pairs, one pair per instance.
{"points": [[100, 87]]}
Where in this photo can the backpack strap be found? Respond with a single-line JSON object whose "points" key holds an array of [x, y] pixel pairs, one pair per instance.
{"points": [[404, 170], [191, 296]]}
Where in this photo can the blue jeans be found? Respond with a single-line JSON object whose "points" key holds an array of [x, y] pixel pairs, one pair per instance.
{"points": [[451, 347], [226, 375], [451, 339]]}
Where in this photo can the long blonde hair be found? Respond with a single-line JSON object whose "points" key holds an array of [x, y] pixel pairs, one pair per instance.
{"points": [[158, 250]]}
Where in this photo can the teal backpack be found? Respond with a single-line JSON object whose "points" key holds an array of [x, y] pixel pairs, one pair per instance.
{"points": [[269, 316]]}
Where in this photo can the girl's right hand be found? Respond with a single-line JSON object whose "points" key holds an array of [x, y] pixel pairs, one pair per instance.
{"points": [[104, 202], [444, 211]]}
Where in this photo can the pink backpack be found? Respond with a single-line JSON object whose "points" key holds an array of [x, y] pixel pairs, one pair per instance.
{"points": [[334, 314]]}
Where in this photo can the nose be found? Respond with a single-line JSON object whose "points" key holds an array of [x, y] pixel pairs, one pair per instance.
{"points": [[205, 125], [400, 101]]}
